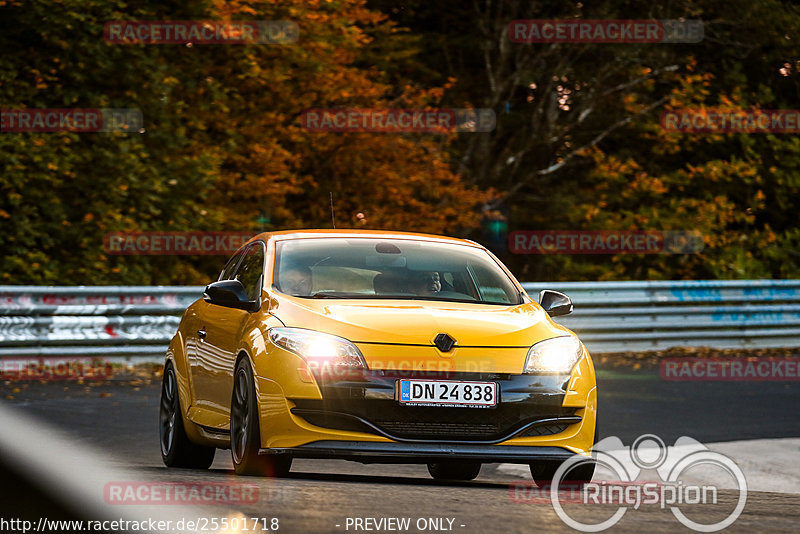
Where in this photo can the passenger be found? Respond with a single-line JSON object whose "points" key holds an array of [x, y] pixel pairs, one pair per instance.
{"points": [[426, 283]]}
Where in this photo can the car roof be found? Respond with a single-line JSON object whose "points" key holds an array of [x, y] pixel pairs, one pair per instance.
{"points": [[378, 234]]}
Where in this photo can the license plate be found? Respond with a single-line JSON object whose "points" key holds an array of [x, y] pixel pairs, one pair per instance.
{"points": [[448, 393]]}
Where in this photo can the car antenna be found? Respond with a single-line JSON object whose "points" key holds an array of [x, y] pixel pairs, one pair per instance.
{"points": [[333, 219]]}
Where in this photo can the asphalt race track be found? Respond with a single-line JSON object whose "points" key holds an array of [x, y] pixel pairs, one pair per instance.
{"points": [[328, 496]]}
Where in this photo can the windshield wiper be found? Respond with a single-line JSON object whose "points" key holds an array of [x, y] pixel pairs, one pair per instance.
{"points": [[334, 295], [430, 298]]}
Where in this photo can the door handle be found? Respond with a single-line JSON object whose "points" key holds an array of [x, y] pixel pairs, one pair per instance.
{"points": [[202, 333]]}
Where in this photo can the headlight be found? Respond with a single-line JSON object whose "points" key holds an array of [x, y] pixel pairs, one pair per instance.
{"points": [[318, 348], [556, 355]]}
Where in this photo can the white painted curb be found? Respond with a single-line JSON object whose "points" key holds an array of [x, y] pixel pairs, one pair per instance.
{"points": [[771, 465]]}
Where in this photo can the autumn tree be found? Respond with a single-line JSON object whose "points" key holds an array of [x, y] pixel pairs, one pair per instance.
{"points": [[222, 147], [578, 144]]}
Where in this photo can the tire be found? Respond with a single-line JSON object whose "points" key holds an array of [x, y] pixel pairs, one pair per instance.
{"points": [[177, 450], [543, 472], [246, 430], [463, 470]]}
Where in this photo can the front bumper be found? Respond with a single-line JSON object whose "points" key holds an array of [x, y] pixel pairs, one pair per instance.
{"points": [[366, 452], [368, 402], [358, 418]]}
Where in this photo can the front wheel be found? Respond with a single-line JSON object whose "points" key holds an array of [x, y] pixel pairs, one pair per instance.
{"points": [[543, 472], [582, 473], [454, 470], [246, 430], [177, 450]]}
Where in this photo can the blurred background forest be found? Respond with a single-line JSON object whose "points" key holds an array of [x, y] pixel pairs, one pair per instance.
{"points": [[577, 145]]}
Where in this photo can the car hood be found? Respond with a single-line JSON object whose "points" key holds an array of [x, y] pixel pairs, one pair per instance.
{"points": [[419, 322]]}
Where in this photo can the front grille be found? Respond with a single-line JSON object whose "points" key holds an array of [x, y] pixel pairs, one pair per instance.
{"points": [[429, 423], [334, 421], [545, 430], [440, 429]]}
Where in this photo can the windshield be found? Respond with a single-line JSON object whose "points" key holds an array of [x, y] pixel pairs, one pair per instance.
{"points": [[390, 268]]}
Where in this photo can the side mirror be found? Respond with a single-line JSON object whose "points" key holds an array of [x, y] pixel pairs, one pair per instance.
{"points": [[555, 303], [231, 294]]}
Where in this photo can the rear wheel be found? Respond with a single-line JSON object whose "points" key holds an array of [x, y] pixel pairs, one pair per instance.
{"points": [[454, 470], [246, 430], [177, 450]]}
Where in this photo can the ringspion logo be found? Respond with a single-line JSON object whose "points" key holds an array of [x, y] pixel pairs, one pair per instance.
{"points": [[673, 490], [605, 31], [71, 120], [154, 32]]}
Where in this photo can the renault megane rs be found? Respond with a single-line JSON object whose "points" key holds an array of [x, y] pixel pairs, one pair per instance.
{"points": [[376, 347]]}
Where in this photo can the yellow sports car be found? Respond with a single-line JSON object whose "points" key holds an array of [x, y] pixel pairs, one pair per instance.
{"points": [[376, 347]]}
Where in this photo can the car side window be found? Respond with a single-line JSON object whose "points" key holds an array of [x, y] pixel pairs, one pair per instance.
{"points": [[230, 267], [250, 271]]}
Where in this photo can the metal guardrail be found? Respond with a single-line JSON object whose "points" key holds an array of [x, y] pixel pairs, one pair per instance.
{"points": [[93, 321], [642, 316], [139, 321]]}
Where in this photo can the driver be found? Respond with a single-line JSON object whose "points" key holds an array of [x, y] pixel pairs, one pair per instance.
{"points": [[426, 283], [296, 281]]}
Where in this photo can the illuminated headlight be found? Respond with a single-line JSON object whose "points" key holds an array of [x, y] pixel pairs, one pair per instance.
{"points": [[318, 348], [556, 355]]}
